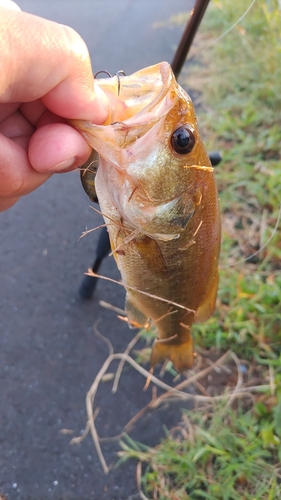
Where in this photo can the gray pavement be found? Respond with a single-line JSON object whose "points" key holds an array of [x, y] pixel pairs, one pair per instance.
{"points": [[49, 354]]}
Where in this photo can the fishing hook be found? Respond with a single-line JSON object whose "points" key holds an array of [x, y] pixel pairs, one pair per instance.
{"points": [[103, 71], [119, 73]]}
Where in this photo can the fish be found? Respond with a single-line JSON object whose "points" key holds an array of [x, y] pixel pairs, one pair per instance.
{"points": [[158, 196]]}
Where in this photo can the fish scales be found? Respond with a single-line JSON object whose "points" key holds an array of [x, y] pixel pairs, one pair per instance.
{"points": [[158, 196]]}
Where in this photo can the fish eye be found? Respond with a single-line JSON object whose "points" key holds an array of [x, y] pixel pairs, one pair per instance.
{"points": [[183, 140]]}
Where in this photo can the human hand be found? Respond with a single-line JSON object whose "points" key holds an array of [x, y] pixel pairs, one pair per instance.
{"points": [[45, 78]]}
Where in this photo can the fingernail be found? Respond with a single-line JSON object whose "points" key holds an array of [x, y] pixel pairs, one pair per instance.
{"points": [[9, 4], [64, 165]]}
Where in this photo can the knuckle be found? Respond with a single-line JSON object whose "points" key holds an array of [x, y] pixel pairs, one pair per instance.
{"points": [[75, 45]]}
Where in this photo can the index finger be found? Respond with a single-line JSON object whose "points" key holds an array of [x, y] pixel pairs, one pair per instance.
{"points": [[43, 59]]}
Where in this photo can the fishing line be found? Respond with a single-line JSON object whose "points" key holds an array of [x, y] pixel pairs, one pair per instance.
{"points": [[262, 247], [210, 44], [235, 24]]}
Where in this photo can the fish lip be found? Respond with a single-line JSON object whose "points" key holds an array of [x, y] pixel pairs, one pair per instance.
{"points": [[148, 108], [163, 70], [159, 81]]}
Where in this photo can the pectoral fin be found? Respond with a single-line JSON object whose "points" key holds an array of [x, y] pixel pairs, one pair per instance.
{"points": [[136, 318], [112, 246], [151, 254]]}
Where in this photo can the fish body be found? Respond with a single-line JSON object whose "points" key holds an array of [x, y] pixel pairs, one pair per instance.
{"points": [[158, 196]]}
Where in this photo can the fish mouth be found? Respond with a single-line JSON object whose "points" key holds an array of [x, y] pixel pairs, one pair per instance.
{"points": [[138, 102], [138, 94]]}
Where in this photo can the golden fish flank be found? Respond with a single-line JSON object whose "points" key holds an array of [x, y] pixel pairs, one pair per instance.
{"points": [[157, 192]]}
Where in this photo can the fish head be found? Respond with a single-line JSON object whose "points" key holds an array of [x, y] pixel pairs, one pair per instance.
{"points": [[150, 152]]}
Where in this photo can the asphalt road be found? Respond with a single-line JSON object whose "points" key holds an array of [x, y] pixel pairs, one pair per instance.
{"points": [[49, 354]]}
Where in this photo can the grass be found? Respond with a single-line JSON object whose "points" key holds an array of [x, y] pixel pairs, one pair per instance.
{"points": [[216, 456], [241, 79], [230, 449]]}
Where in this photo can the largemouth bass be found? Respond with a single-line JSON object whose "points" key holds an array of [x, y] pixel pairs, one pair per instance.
{"points": [[158, 196]]}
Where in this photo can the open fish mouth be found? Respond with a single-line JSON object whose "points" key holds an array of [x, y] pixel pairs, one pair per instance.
{"points": [[136, 95], [138, 102]]}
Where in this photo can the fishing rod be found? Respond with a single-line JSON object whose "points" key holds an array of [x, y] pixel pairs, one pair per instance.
{"points": [[195, 18], [191, 28]]}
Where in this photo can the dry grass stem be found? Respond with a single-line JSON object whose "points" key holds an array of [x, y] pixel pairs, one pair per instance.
{"points": [[271, 380], [138, 479], [88, 231], [106, 278], [170, 392], [102, 337], [240, 380], [122, 362], [117, 310], [66, 432]]}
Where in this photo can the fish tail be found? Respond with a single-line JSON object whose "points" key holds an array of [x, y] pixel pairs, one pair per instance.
{"points": [[181, 354]]}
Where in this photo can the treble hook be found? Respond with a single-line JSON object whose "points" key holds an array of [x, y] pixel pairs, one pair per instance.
{"points": [[118, 74], [103, 71]]}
